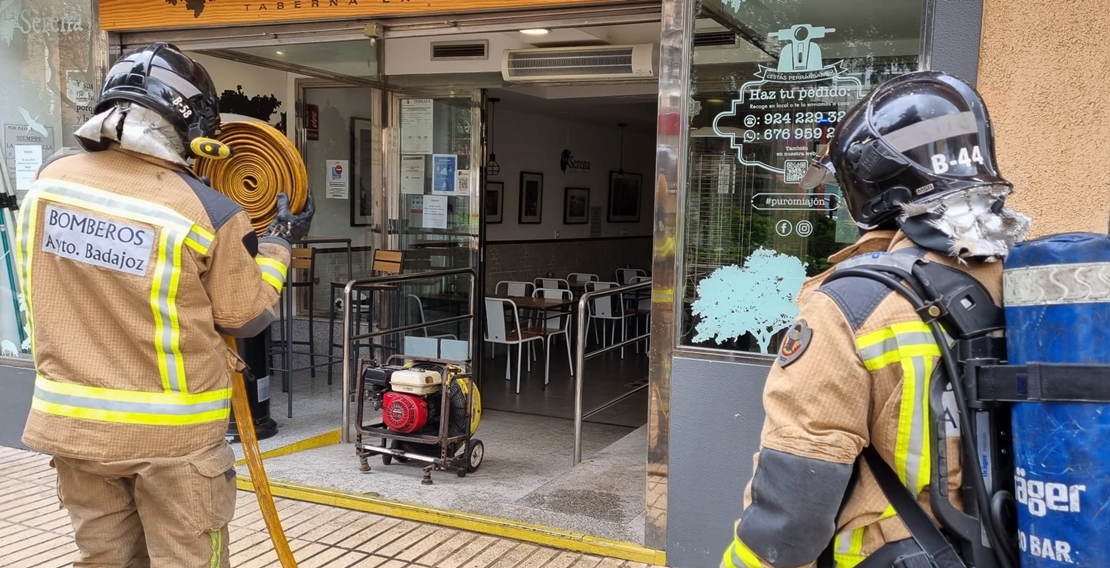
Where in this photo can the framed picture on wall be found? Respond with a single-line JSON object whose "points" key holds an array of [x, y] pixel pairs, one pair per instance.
{"points": [[531, 198], [624, 197], [495, 201], [576, 206], [362, 151]]}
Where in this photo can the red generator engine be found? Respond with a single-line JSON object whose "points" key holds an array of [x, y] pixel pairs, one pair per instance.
{"points": [[404, 413]]}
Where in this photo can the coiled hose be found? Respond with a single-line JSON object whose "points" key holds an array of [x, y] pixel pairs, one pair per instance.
{"points": [[261, 163]]}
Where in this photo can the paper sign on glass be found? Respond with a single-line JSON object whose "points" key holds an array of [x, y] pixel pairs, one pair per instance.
{"points": [[338, 179], [444, 174], [412, 175], [416, 126], [435, 211], [28, 159]]}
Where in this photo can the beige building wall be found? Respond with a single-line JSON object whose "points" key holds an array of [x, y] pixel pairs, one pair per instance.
{"points": [[1045, 74]]}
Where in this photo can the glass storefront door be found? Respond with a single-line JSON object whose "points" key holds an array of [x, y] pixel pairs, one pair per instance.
{"points": [[435, 152]]}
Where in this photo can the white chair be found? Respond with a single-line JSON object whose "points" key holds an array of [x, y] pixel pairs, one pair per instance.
{"points": [[500, 331], [609, 309], [582, 277], [625, 275], [553, 323], [422, 319], [551, 283], [514, 289]]}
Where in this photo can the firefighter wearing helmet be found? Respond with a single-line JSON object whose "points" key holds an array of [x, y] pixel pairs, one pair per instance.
{"points": [[916, 163], [132, 268]]}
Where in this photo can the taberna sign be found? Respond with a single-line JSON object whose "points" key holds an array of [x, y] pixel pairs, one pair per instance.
{"points": [[131, 15], [568, 163]]}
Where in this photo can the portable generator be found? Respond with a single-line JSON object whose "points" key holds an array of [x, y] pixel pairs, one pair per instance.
{"points": [[429, 412]]}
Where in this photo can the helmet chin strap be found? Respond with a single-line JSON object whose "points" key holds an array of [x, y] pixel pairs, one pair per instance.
{"points": [[966, 224], [135, 128]]}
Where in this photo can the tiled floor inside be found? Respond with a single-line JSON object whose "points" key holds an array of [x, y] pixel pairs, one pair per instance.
{"points": [[35, 532], [527, 474]]}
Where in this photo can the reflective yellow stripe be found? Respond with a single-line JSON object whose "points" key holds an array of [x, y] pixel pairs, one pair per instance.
{"points": [[129, 407], [130, 208], [740, 556], [912, 346], [273, 272], [176, 231], [26, 229]]}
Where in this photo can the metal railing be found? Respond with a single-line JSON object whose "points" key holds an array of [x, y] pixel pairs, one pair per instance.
{"points": [[349, 339], [582, 357]]}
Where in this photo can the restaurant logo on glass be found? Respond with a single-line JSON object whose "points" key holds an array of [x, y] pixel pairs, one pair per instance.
{"points": [[793, 107]]}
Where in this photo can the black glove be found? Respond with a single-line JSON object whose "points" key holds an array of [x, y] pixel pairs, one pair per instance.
{"points": [[292, 228]]}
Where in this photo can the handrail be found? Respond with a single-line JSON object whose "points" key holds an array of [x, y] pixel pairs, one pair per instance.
{"points": [[580, 359], [344, 435]]}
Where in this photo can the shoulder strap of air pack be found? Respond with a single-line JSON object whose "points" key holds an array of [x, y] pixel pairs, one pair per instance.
{"points": [[934, 546]]}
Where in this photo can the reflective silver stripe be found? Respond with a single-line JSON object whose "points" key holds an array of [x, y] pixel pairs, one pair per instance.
{"points": [[129, 204], [932, 130], [916, 450], [121, 68], [844, 542], [167, 263], [135, 407], [170, 271], [892, 343], [175, 81], [200, 239], [272, 272]]}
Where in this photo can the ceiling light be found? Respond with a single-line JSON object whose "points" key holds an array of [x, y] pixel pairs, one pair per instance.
{"points": [[280, 52], [536, 31]]}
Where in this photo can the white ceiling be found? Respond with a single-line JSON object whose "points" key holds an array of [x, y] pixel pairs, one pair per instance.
{"points": [[596, 106]]}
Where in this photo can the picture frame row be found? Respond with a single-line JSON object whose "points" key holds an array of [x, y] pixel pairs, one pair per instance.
{"points": [[625, 195]]}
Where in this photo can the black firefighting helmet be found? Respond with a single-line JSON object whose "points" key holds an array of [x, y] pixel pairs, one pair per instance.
{"points": [[916, 137], [163, 79]]}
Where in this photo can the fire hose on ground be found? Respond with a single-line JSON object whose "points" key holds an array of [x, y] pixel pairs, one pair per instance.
{"points": [[261, 163]]}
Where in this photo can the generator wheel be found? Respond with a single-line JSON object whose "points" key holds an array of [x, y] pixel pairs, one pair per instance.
{"points": [[475, 453], [387, 459]]}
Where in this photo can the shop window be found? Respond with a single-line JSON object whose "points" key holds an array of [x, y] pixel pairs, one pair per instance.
{"points": [[52, 61], [770, 80]]}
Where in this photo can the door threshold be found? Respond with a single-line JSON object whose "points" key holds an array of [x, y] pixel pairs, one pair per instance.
{"points": [[507, 528]]}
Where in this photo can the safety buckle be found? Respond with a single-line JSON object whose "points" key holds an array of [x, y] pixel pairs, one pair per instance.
{"points": [[7, 201]]}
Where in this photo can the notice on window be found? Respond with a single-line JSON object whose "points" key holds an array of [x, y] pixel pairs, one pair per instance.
{"points": [[33, 133], [792, 108], [28, 160], [435, 211], [338, 179], [412, 175], [445, 177], [416, 126]]}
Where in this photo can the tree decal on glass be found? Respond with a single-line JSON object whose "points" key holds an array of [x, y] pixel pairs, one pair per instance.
{"points": [[758, 298]]}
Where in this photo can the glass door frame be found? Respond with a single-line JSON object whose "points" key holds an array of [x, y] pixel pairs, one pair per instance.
{"points": [[391, 148]]}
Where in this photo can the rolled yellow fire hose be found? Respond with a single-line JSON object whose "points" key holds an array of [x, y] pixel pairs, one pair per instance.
{"points": [[263, 162], [251, 162]]}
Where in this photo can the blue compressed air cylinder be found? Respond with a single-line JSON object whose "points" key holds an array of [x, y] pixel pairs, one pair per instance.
{"points": [[1057, 297]]}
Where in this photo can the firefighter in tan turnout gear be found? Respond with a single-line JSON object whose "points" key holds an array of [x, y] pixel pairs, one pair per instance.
{"points": [[916, 163], [132, 268]]}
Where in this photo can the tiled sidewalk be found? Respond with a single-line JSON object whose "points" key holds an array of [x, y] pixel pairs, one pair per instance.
{"points": [[34, 532]]}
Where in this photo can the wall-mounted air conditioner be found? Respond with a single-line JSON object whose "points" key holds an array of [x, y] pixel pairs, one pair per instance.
{"points": [[592, 63]]}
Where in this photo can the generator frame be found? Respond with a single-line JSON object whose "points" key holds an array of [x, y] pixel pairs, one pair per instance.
{"points": [[473, 449]]}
